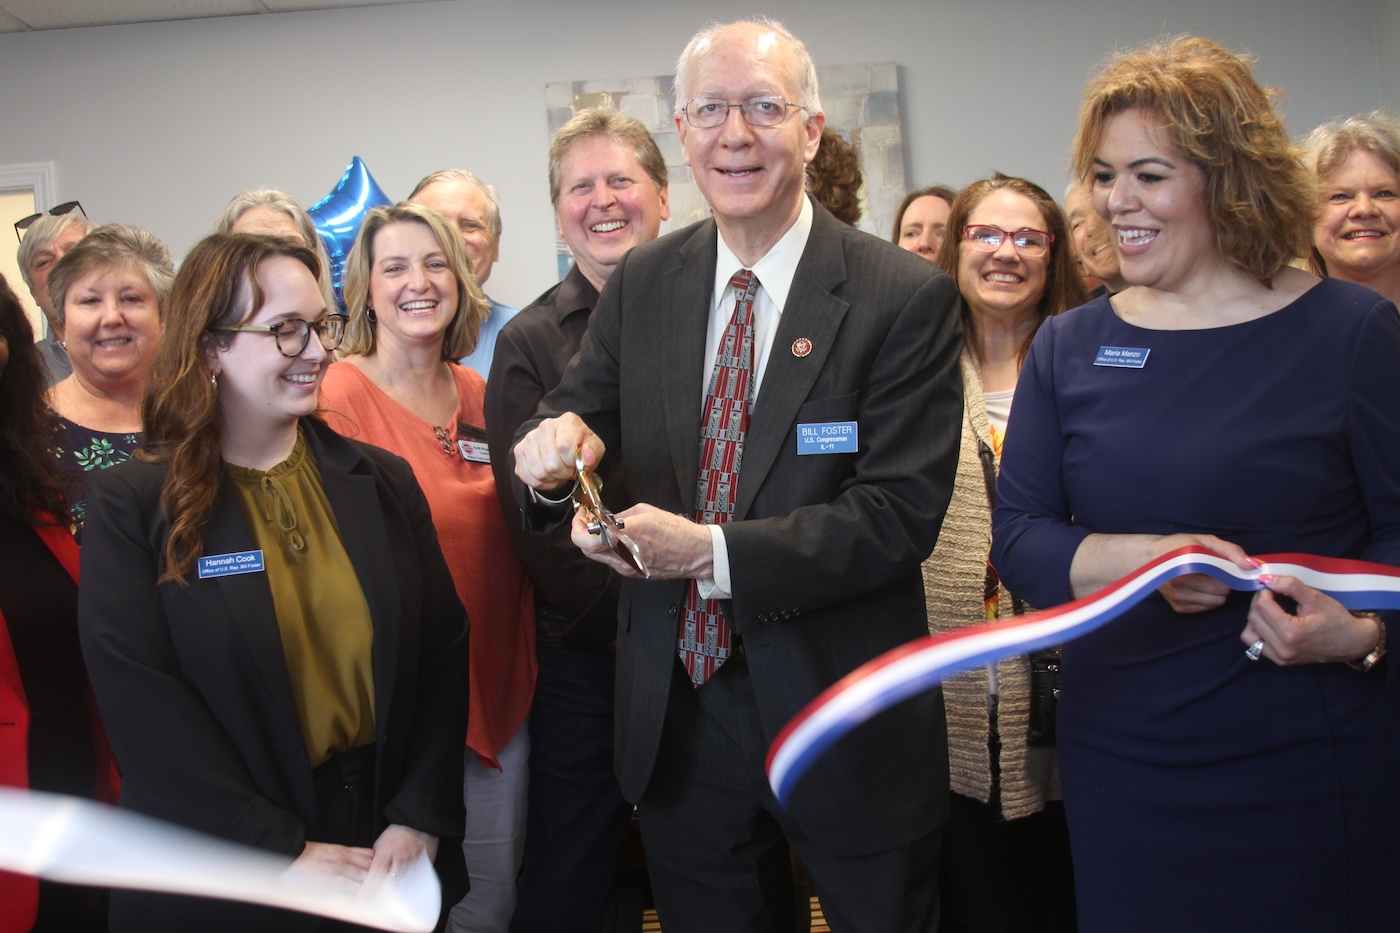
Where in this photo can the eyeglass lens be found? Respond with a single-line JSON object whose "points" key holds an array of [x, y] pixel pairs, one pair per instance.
{"points": [[293, 335], [706, 112], [990, 238]]}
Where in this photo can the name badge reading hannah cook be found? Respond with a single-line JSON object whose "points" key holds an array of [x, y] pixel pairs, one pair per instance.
{"points": [[830, 437], [227, 565], [1122, 357]]}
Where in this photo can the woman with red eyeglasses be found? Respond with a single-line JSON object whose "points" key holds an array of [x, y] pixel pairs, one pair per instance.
{"points": [[1005, 863]]}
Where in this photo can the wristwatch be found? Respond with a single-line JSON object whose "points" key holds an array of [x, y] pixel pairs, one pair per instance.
{"points": [[1374, 656]]}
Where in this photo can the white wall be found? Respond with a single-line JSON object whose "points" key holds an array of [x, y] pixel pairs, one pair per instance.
{"points": [[1387, 42], [160, 124]]}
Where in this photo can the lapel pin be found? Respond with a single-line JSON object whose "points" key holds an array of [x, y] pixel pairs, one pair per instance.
{"points": [[801, 347]]}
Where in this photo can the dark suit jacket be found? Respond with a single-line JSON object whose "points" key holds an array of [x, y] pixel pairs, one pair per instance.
{"points": [[824, 550], [531, 353], [193, 685]]}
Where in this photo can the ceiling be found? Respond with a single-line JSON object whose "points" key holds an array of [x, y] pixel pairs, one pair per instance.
{"points": [[32, 15]]}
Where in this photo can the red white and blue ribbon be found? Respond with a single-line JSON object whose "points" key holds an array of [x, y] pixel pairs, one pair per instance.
{"points": [[925, 663]]}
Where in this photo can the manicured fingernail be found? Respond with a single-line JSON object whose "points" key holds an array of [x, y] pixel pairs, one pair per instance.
{"points": [[1255, 561], [1266, 578]]}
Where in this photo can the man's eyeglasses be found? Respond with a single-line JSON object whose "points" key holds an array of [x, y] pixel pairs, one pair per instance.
{"points": [[705, 112], [58, 210], [988, 239], [294, 334]]}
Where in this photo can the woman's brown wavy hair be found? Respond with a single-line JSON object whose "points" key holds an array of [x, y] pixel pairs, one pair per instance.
{"points": [[217, 286], [1205, 101], [1063, 288], [30, 481]]}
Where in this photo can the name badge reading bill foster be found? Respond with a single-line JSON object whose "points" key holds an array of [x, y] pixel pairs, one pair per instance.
{"points": [[228, 565], [1122, 357], [829, 437], [474, 451]]}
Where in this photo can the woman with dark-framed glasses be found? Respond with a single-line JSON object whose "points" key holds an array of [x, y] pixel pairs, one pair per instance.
{"points": [[272, 633], [414, 310], [1005, 864]]}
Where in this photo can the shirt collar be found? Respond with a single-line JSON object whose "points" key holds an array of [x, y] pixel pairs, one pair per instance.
{"points": [[778, 266]]}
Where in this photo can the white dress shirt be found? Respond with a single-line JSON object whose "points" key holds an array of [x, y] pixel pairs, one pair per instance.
{"points": [[775, 272]]}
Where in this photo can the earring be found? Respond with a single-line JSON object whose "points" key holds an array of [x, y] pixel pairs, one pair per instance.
{"points": [[214, 381], [369, 313]]}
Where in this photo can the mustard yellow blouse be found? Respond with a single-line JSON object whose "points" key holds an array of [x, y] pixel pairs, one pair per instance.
{"points": [[324, 621]]}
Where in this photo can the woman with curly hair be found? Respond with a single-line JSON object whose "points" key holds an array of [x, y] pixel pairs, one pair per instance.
{"points": [[50, 736], [1228, 759], [834, 177]]}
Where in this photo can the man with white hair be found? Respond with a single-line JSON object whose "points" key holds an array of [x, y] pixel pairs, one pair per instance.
{"points": [[44, 243], [470, 204], [718, 360]]}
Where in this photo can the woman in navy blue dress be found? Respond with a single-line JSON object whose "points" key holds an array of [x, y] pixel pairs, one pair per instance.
{"points": [[1229, 762]]}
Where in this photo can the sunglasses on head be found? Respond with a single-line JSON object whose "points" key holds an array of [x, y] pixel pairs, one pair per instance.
{"points": [[58, 210]]}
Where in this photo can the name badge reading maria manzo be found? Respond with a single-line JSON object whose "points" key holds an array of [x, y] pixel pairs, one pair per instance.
{"points": [[830, 437], [1122, 357], [228, 565]]}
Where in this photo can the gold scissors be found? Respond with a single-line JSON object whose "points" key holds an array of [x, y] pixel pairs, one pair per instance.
{"points": [[601, 521]]}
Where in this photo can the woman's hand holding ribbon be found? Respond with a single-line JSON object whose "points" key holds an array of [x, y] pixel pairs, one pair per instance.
{"points": [[1321, 630]]}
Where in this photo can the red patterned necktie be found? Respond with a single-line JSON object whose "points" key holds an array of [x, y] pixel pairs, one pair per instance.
{"points": [[705, 638]]}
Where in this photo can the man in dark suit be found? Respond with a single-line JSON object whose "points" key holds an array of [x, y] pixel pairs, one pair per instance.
{"points": [[608, 184], [783, 532]]}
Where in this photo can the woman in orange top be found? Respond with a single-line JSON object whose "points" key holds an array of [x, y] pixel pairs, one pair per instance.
{"points": [[414, 308]]}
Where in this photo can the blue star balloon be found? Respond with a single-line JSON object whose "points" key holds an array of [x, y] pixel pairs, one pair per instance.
{"points": [[339, 214]]}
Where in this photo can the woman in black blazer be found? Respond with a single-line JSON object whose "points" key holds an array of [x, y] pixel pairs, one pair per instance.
{"points": [[274, 640]]}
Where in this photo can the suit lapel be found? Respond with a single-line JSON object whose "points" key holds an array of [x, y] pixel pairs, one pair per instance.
{"points": [[685, 301], [814, 313]]}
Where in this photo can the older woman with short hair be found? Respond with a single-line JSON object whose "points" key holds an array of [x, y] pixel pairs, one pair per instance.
{"points": [[276, 213], [1251, 409], [414, 310], [109, 293], [1357, 234], [43, 244]]}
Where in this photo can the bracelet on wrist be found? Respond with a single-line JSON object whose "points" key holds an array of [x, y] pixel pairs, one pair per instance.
{"points": [[1374, 656]]}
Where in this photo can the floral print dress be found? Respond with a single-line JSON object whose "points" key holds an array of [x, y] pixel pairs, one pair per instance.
{"points": [[80, 451]]}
